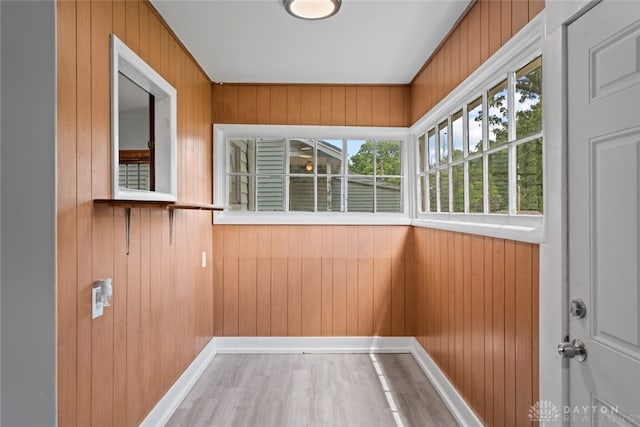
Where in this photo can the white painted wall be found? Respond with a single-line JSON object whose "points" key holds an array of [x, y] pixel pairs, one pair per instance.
{"points": [[27, 209]]}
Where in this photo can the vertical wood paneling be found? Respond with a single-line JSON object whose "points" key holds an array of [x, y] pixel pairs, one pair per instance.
{"points": [[263, 284], [495, 22], [278, 105], [380, 101], [217, 107], [487, 26], [230, 279], [474, 37], [350, 106], [352, 280], [327, 281], [498, 333], [338, 106], [455, 58], [329, 105], [365, 280], [294, 281], [488, 328], [464, 50], [519, 15], [263, 104], [509, 331], [293, 105], [459, 310], [145, 330], [218, 279], [467, 332], [535, 7], [524, 332], [134, 391], [485, 30], [247, 104], [247, 281], [67, 310], [451, 345], [398, 280], [120, 389], [134, 342], [311, 280], [535, 322], [325, 105], [469, 287], [382, 280], [230, 103], [339, 282], [310, 105], [396, 106], [279, 286]]}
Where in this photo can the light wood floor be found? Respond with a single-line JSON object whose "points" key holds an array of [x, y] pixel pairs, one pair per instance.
{"points": [[313, 390]]}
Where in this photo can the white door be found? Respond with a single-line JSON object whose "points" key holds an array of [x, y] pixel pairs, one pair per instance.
{"points": [[604, 213]]}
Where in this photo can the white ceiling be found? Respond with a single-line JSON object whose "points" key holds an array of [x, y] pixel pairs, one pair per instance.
{"points": [[256, 41]]}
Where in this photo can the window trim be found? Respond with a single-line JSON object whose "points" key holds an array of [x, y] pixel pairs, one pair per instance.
{"points": [[524, 47], [222, 132]]}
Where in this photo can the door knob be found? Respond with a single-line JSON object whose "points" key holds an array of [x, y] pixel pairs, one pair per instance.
{"points": [[574, 349]]}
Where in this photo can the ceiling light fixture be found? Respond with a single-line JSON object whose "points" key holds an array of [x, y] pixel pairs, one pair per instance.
{"points": [[312, 9]]}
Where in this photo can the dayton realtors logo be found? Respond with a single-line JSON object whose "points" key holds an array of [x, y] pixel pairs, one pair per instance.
{"points": [[544, 411]]}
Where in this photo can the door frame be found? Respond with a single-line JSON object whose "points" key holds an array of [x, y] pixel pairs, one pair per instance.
{"points": [[554, 254]]}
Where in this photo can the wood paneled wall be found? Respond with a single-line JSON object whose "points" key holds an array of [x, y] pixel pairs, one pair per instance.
{"points": [[295, 280], [330, 105], [487, 26], [473, 306], [471, 301], [113, 370]]}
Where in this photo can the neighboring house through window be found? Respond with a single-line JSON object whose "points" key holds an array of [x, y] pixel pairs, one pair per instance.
{"points": [[315, 175]]}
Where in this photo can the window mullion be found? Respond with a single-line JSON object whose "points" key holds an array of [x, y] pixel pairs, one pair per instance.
{"points": [[465, 154], [450, 168], [511, 126], [437, 170], [485, 157], [345, 171], [286, 174], [315, 175], [375, 174]]}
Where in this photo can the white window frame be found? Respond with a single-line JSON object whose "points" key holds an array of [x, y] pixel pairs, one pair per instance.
{"points": [[519, 51], [223, 132]]}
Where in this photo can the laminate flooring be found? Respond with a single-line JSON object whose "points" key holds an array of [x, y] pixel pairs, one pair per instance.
{"points": [[297, 390]]}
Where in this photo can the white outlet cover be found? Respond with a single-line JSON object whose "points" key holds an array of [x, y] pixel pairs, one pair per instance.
{"points": [[204, 259], [96, 306]]}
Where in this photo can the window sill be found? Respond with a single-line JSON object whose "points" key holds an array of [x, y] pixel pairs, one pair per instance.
{"points": [[523, 229], [304, 218]]}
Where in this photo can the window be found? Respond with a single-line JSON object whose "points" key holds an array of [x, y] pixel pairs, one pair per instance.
{"points": [[489, 163], [315, 175]]}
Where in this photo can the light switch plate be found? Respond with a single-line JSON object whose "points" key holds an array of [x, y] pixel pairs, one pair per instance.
{"points": [[204, 259], [96, 306]]}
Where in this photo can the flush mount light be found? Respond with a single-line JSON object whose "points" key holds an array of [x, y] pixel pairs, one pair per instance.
{"points": [[312, 9]]}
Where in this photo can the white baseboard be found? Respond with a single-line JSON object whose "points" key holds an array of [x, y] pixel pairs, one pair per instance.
{"points": [[162, 412], [313, 344], [459, 408], [164, 409]]}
